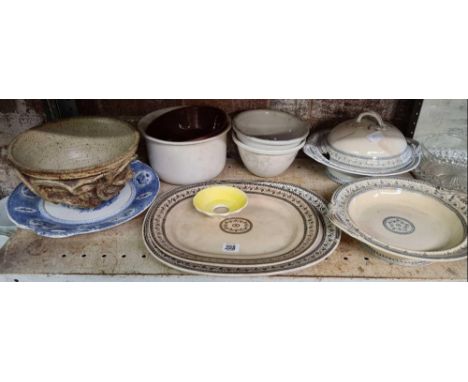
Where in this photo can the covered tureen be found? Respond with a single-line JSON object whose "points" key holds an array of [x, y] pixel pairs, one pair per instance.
{"points": [[364, 146]]}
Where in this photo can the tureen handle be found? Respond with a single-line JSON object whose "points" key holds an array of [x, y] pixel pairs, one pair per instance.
{"points": [[374, 115]]}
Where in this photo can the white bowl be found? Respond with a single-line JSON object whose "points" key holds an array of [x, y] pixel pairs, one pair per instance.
{"points": [[266, 163], [184, 162], [264, 144], [263, 128]]}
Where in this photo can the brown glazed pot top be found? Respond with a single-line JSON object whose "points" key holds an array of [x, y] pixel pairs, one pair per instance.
{"points": [[188, 124]]}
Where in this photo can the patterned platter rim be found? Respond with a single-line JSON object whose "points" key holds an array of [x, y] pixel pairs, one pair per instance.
{"points": [[312, 150], [143, 195], [155, 230], [338, 214], [396, 260], [331, 239]]}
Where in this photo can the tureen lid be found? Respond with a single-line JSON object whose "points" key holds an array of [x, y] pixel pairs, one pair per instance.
{"points": [[367, 136]]}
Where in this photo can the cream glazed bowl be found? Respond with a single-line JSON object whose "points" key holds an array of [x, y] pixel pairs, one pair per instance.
{"points": [[270, 129], [184, 162], [266, 163], [402, 218]]}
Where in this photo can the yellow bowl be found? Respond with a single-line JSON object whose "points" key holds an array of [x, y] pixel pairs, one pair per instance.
{"points": [[220, 200]]}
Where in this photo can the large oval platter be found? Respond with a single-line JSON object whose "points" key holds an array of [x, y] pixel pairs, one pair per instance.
{"points": [[282, 229]]}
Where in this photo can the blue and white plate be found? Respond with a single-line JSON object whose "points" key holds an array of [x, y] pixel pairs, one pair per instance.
{"points": [[29, 211]]}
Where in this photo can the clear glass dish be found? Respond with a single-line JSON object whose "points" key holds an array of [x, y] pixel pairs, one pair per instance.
{"points": [[444, 161]]}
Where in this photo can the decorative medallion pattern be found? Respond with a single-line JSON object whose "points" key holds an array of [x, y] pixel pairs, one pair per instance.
{"points": [[236, 225], [398, 225]]}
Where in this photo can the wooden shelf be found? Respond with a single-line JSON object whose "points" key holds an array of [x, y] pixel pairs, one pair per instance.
{"points": [[119, 253]]}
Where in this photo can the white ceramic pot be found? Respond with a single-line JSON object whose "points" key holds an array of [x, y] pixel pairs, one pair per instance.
{"points": [[265, 163], [184, 162]]}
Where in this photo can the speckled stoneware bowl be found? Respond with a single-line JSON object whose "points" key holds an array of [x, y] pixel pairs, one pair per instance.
{"points": [[86, 192], [73, 148], [80, 162]]}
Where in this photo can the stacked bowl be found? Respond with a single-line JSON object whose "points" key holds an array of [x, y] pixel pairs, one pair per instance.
{"points": [[79, 162], [268, 140]]}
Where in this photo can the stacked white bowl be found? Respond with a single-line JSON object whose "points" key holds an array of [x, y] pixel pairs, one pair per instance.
{"points": [[268, 140]]}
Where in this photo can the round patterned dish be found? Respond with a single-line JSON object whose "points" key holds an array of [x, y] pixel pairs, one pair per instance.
{"points": [[258, 241], [403, 218], [29, 211]]}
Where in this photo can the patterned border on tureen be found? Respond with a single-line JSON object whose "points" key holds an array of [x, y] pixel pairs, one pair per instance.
{"points": [[329, 241], [392, 162], [339, 215], [316, 148]]}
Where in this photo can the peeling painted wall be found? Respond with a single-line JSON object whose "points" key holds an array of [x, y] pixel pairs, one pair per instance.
{"points": [[319, 112], [8, 178], [16, 116]]}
